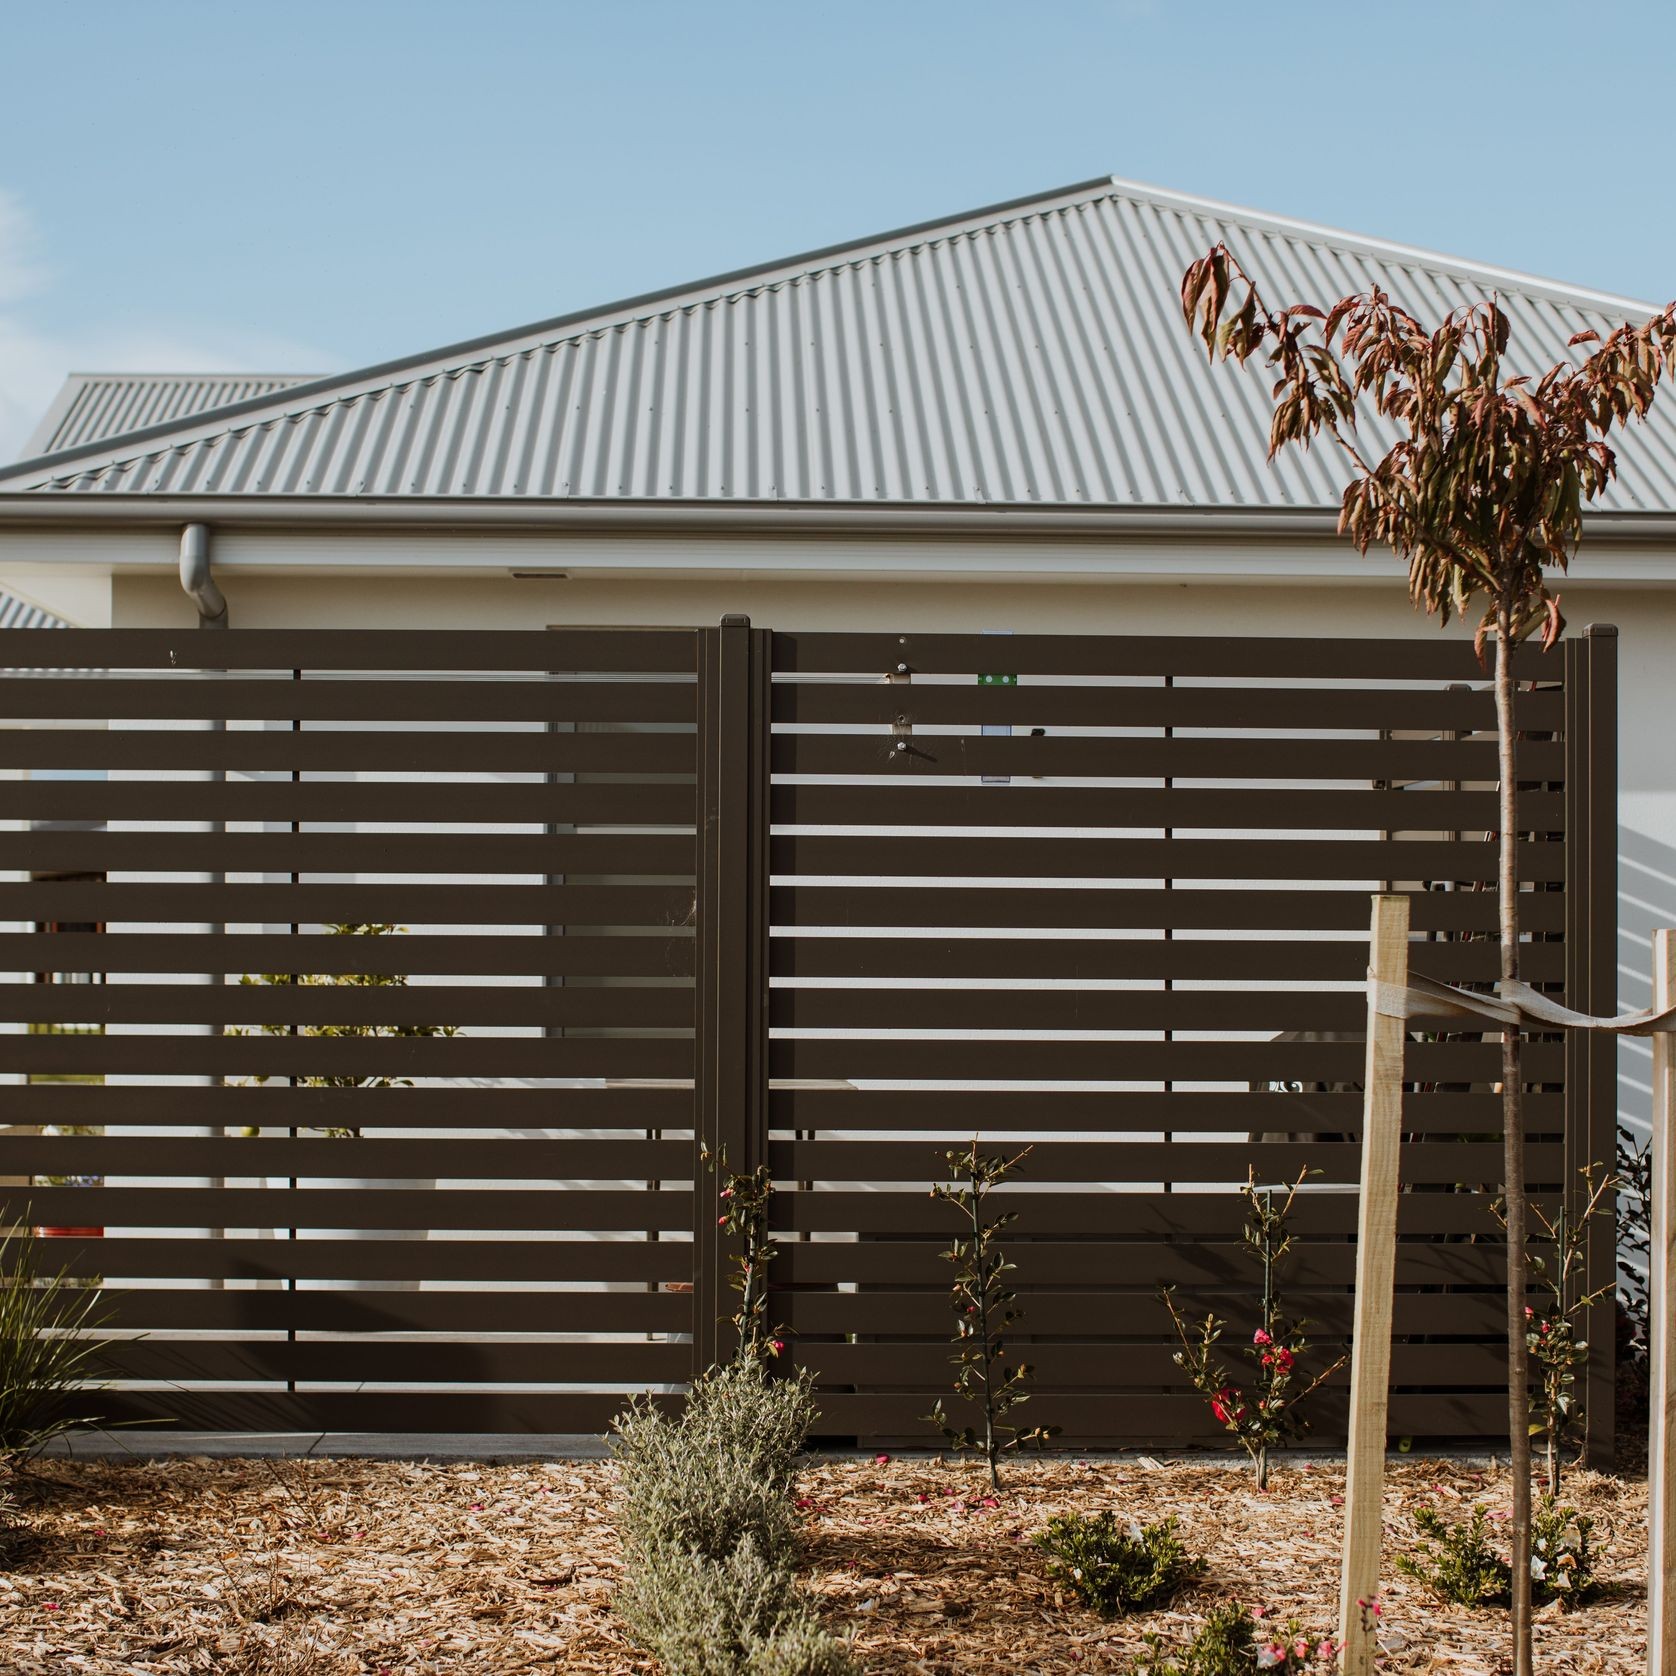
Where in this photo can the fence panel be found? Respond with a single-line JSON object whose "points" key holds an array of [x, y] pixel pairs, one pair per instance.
{"points": [[1107, 898], [431, 1177]]}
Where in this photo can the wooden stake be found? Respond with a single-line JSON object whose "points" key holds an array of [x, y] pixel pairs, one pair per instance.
{"points": [[1376, 1267], [1661, 1318]]}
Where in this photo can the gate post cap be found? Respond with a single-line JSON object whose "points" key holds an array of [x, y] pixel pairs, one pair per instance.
{"points": [[735, 620]]}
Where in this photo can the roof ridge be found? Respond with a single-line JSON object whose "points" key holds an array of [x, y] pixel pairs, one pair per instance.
{"points": [[1327, 233], [224, 374]]}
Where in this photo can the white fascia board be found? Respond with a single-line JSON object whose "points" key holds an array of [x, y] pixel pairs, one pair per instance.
{"points": [[34, 556]]}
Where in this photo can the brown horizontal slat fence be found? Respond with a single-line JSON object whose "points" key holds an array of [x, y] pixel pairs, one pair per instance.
{"points": [[504, 1239], [832, 902], [1108, 897]]}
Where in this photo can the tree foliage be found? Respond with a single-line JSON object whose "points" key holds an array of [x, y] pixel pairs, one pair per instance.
{"points": [[344, 1029], [1485, 485]]}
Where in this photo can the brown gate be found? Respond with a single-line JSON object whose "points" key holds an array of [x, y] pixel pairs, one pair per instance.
{"points": [[834, 900]]}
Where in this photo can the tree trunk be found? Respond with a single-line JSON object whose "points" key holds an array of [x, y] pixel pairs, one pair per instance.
{"points": [[1513, 1148]]}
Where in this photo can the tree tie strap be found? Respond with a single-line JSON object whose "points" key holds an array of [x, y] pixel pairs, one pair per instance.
{"points": [[1514, 1005]]}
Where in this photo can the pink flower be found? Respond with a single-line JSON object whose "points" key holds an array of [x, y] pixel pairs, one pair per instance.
{"points": [[1529, 1312], [1301, 1648], [727, 1192], [477, 1507], [1261, 1337], [721, 1221], [881, 1460], [803, 1504], [1223, 1405], [1271, 1655], [1259, 1612], [777, 1345]]}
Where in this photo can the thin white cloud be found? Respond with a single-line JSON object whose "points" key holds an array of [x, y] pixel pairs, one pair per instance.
{"points": [[34, 361]]}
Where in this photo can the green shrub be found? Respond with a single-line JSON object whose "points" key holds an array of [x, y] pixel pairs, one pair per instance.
{"points": [[1115, 1569], [1231, 1643], [1460, 1564], [720, 1472], [1562, 1557], [1224, 1646], [48, 1347], [737, 1616]]}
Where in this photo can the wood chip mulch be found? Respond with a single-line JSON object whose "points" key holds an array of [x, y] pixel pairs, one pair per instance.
{"points": [[327, 1568]]}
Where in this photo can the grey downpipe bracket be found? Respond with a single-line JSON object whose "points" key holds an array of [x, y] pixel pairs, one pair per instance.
{"points": [[198, 579]]}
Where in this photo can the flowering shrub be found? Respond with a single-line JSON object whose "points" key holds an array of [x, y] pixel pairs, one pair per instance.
{"points": [[984, 1307], [1115, 1568], [1557, 1354], [1263, 1412], [1234, 1642], [1460, 1564], [1292, 1649]]}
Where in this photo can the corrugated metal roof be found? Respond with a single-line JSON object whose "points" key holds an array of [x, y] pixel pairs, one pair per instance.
{"points": [[19, 614], [95, 405], [1028, 355]]}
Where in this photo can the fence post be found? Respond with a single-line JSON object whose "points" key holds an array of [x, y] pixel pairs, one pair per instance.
{"points": [[1661, 1319], [1376, 1263], [731, 1005], [1591, 986]]}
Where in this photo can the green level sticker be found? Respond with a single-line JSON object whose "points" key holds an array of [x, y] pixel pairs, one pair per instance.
{"points": [[997, 680]]}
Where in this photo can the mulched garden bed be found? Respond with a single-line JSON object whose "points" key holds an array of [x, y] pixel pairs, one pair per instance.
{"points": [[324, 1568]]}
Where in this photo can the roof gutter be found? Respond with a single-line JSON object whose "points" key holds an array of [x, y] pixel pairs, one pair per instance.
{"points": [[35, 510]]}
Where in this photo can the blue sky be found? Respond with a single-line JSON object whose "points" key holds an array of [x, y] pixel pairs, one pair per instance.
{"points": [[314, 185]]}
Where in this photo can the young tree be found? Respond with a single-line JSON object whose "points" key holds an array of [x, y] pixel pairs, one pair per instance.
{"points": [[987, 1374], [1481, 492]]}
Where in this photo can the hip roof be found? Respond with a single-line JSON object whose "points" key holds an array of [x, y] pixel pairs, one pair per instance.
{"points": [[1029, 355]]}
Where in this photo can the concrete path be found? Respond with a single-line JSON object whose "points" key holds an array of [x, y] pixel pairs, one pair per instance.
{"points": [[144, 1444]]}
